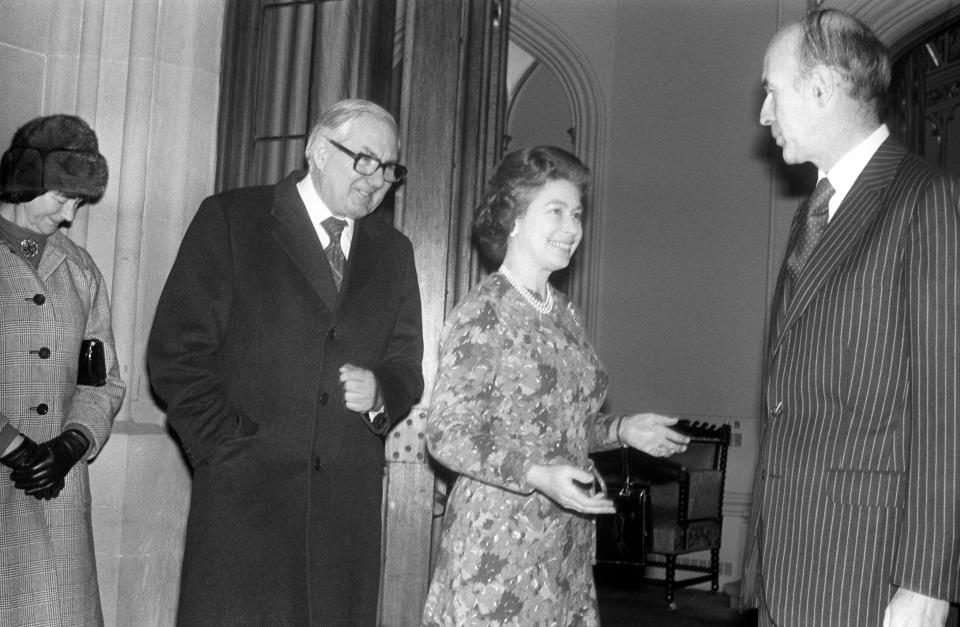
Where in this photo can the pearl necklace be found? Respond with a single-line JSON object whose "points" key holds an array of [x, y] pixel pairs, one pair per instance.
{"points": [[543, 305]]}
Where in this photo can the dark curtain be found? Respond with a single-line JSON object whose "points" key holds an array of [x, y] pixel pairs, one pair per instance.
{"points": [[283, 63], [483, 120]]}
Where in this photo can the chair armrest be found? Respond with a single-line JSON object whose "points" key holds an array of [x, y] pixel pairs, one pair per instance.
{"points": [[653, 470], [623, 466]]}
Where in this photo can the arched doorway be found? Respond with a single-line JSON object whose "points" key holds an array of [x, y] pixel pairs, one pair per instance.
{"points": [[542, 63], [925, 94]]}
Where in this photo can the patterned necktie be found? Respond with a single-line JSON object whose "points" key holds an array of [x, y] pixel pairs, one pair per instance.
{"points": [[334, 227], [816, 223]]}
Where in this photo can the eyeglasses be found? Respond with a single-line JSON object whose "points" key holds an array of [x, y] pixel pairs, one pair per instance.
{"points": [[368, 164]]}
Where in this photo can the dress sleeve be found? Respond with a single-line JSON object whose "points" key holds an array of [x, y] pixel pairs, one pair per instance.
{"points": [[598, 427], [469, 427], [598, 433]]}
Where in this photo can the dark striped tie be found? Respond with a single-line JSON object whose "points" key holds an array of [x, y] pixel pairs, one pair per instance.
{"points": [[334, 227], [816, 223]]}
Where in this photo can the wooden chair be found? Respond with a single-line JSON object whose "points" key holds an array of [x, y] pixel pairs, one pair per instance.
{"points": [[682, 505]]}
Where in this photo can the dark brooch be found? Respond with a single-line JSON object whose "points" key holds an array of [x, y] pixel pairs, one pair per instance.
{"points": [[29, 248]]}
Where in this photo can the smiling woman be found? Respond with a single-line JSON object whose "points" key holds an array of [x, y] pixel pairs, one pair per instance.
{"points": [[515, 412]]}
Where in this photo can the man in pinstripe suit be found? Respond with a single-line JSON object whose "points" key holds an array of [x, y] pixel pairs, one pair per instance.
{"points": [[856, 514]]}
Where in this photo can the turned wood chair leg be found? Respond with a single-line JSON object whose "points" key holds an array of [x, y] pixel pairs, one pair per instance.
{"points": [[714, 570], [671, 571]]}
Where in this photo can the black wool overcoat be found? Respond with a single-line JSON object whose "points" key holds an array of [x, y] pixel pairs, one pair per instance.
{"points": [[248, 339]]}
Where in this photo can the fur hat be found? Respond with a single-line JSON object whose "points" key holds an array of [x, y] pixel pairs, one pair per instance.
{"points": [[54, 153]]}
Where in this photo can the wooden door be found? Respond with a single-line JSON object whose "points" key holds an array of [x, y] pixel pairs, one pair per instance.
{"points": [[452, 120]]}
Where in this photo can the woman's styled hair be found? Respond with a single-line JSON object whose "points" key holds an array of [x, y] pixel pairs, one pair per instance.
{"points": [[840, 41], [514, 183]]}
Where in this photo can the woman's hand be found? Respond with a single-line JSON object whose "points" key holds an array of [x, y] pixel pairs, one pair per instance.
{"points": [[651, 433], [42, 476], [568, 487]]}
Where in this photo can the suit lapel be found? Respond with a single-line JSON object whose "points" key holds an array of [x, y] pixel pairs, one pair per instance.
{"points": [[298, 238], [781, 295], [863, 202]]}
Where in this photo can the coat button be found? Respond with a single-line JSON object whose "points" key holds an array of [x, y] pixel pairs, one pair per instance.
{"points": [[777, 410], [41, 409], [44, 353], [39, 299], [324, 398], [317, 463]]}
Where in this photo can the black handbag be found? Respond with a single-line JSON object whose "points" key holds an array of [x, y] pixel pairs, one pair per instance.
{"points": [[621, 537], [93, 368]]}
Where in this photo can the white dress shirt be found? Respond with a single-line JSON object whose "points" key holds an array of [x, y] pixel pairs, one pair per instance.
{"points": [[318, 212], [845, 172]]}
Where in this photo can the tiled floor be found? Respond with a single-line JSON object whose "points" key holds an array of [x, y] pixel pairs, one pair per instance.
{"points": [[644, 606]]}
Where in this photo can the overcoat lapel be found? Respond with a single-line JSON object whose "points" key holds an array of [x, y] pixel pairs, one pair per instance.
{"points": [[362, 262], [864, 201], [298, 238]]}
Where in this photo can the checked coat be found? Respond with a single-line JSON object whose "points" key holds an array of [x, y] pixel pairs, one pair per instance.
{"points": [[857, 489], [246, 347], [47, 571]]}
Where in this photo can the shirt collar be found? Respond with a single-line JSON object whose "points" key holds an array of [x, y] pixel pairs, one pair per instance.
{"points": [[318, 212], [846, 171]]}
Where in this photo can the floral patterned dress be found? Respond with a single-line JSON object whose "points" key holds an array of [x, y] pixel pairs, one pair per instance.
{"points": [[514, 388]]}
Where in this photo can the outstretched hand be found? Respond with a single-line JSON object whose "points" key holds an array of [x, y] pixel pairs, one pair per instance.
{"points": [[651, 433], [568, 487]]}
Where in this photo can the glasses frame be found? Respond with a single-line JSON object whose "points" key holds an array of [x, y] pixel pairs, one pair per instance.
{"points": [[399, 171]]}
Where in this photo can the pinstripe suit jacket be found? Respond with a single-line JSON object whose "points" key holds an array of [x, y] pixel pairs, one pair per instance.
{"points": [[858, 480]]}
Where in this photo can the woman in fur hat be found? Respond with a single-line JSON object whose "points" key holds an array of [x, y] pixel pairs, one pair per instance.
{"points": [[56, 410]]}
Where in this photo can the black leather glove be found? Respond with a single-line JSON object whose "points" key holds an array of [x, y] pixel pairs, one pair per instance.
{"points": [[42, 475], [18, 457]]}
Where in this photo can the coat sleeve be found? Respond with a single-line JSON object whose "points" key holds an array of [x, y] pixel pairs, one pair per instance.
{"points": [[400, 371], [7, 433], [92, 409], [929, 548], [183, 352], [470, 429]]}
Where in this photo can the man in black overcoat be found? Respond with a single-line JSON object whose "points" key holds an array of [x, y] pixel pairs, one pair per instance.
{"points": [[286, 346]]}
